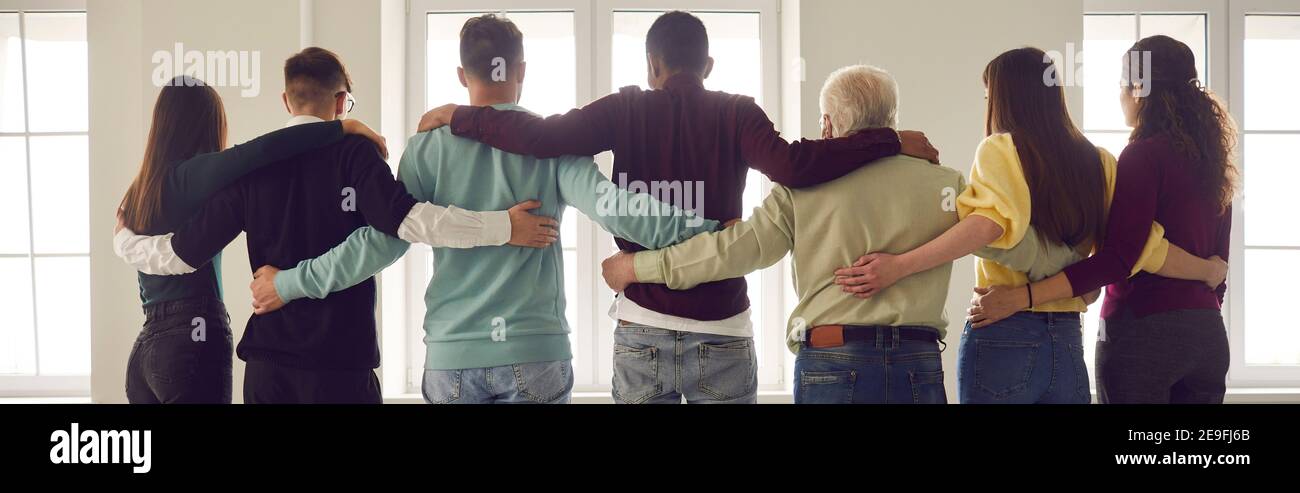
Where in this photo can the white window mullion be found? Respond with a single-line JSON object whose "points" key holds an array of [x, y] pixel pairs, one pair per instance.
{"points": [[31, 221]]}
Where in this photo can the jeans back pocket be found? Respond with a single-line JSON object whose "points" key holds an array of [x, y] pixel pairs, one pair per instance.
{"points": [[1003, 368], [636, 374], [825, 387], [727, 370], [441, 386], [544, 383], [927, 387]]}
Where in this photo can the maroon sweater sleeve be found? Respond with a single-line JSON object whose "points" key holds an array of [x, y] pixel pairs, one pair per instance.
{"points": [[1224, 246], [1128, 225], [585, 131], [808, 162]]}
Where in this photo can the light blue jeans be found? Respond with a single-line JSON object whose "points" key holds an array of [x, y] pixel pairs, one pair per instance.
{"points": [[661, 366], [548, 382]]}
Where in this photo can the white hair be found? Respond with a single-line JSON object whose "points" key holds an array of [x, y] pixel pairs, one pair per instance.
{"points": [[858, 97]]}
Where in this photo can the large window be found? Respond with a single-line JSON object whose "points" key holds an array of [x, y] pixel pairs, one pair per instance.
{"points": [[44, 193], [1266, 105], [578, 51], [1248, 52]]}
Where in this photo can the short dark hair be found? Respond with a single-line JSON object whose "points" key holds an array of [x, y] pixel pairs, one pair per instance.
{"points": [[483, 39], [314, 75], [680, 41]]}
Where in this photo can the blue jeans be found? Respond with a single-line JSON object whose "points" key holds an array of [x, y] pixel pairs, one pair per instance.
{"points": [[524, 383], [1029, 358], [661, 366], [886, 372]]}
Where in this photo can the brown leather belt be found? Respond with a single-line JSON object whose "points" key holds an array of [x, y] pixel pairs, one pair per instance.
{"points": [[825, 336]]}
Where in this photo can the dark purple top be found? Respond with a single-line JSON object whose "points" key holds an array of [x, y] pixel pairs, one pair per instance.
{"points": [[1154, 183], [681, 134]]}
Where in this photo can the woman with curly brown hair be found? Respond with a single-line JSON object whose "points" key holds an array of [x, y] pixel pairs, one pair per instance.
{"points": [[1162, 339]]}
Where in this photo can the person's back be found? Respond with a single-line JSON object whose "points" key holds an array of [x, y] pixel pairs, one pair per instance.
{"points": [[894, 205], [300, 210], [481, 297], [850, 350]]}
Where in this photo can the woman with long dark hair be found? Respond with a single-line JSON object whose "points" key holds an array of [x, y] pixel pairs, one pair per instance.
{"points": [[1163, 340], [183, 354], [1035, 178]]}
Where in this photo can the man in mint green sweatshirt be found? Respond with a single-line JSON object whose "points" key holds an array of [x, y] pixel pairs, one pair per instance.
{"points": [[494, 324]]}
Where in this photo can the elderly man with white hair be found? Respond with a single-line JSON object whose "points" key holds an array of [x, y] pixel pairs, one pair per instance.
{"points": [[884, 349]]}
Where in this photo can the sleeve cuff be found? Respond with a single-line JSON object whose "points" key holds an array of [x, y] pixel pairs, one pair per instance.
{"points": [[649, 267], [1009, 238], [288, 286], [496, 228], [119, 241], [1156, 256]]}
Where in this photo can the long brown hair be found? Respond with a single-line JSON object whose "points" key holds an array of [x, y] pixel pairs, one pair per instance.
{"points": [[1067, 185], [1177, 108], [188, 120]]}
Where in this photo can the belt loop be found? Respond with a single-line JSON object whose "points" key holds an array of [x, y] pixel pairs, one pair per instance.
{"points": [[894, 338], [880, 336]]}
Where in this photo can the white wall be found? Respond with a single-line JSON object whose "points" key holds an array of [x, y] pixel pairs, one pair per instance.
{"points": [[937, 51], [123, 35]]}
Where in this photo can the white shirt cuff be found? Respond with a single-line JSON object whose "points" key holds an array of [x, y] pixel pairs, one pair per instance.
{"points": [[149, 254], [453, 227]]}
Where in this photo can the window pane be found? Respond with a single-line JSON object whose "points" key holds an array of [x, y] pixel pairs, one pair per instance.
{"points": [[1272, 70], [1188, 28], [1271, 333], [13, 196], [61, 194], [16, 334], [549, 48], [63, 315], [1115, 142], [734, 43], [57, 72], [1105, 39], [11, 75], [1271, 172]]}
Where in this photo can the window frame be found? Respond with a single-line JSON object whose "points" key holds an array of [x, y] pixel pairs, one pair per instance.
{"points": [[593, 328], [38, 384], [1241, 374]]}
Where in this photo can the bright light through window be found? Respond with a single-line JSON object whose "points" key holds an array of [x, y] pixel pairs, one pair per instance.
{"points": [[1270, 147], [549, 51], [44, 191]]}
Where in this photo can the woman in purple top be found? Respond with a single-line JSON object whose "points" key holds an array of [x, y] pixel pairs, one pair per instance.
{"points": [[1162, 340]]}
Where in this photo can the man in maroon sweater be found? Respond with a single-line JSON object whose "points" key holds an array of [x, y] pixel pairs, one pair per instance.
{"points": [[697, 343]]}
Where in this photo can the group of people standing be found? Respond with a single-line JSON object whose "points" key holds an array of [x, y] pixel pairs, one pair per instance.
{"points": [[872, 221]]}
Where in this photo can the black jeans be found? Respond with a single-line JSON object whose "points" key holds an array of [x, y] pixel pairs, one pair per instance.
{"points": [[183, 354], [1177, 357], [270, 383]]}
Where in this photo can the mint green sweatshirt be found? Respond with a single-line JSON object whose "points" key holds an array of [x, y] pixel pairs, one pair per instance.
{"points": [[501, 305]]}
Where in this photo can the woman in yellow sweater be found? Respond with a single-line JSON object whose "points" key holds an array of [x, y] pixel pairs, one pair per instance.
{"points": [[1034, 170]]}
